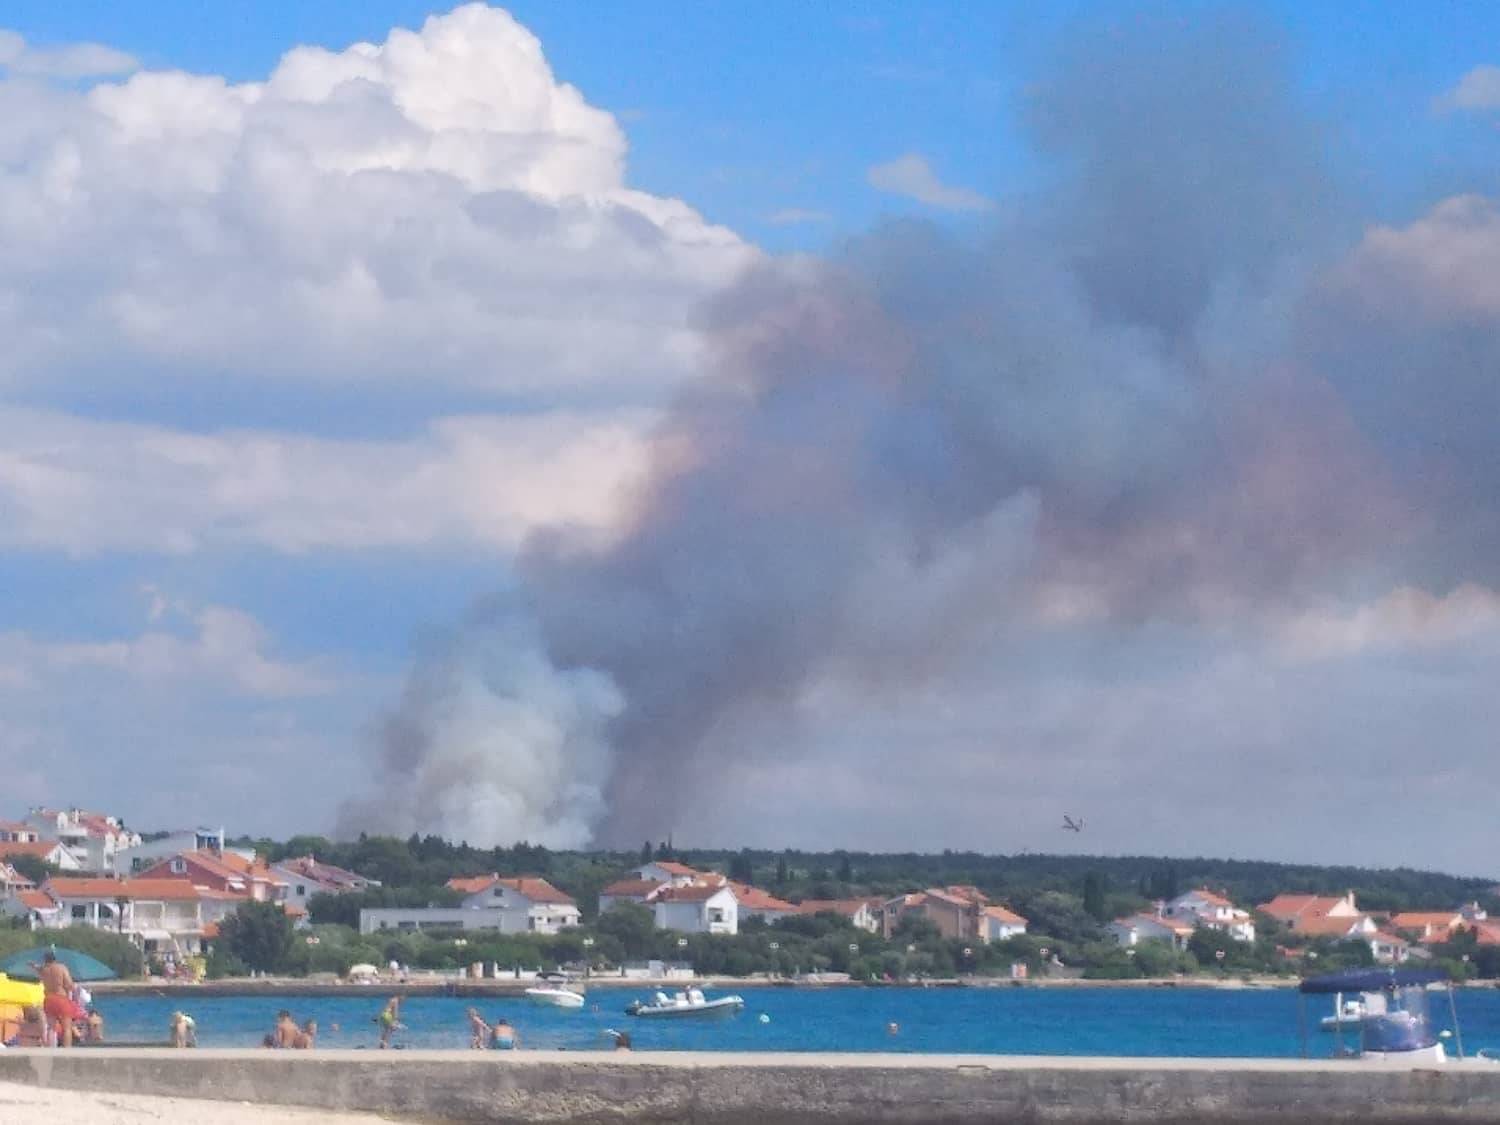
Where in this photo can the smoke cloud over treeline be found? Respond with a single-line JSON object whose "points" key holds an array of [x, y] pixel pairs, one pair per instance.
{"points": [[1186, 390]]}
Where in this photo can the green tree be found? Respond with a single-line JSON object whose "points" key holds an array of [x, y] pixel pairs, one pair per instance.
{"points": [[259, 934], [781, 870], [741, 868], [646, 853], [846, 869], [632, 925], [1093, 896]]}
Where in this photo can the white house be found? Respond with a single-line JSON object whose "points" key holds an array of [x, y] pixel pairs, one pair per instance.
{"points": [[697, 908], [1206, 908], [14, 832], [36, 908], [673, 873], [996, 923], [1130, 932], [162, 916], [521, 905], [12, 882], [52, 852], [138, 857], [92, 838], [305, 876]]}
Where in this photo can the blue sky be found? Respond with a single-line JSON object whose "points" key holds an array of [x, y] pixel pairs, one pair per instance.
{"points": [[297, 377], [748, 110]]}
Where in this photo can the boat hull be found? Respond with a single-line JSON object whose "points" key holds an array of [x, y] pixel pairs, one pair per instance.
{"points": [[724, 1006], [555, 997]]}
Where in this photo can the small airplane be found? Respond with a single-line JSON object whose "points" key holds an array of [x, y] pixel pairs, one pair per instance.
{"points": [[1071, 825]]}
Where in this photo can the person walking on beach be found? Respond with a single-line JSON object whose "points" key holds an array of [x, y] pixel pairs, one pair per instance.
{"points": [[479, 1031], [389, 1020], [57, 1002]]}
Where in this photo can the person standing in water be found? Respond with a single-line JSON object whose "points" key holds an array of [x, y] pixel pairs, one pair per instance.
{"points": [[57, 1002], [389, 1020]]}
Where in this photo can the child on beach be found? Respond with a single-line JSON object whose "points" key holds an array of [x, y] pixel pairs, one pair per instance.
{"points": [[389, 1020], [479, 1031]]}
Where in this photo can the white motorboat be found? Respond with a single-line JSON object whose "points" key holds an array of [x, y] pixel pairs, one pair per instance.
{"points": [[1346, 1013], [685, 1005], [556, 996]]}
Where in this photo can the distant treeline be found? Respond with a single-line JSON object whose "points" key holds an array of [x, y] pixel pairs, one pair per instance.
{"points": [[415, 869]]}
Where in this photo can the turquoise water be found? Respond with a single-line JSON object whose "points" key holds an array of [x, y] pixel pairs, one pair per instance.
{"points": [[1052, 1021]]}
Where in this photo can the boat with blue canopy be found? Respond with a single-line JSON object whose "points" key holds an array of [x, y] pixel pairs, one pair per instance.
{"points": [[1395, 1022]]}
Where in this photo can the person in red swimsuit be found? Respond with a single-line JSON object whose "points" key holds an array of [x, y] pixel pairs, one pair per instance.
{"points": [[57, 983]]}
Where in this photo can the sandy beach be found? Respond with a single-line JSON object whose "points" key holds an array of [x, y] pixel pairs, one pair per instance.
{"points": [[75, 1107]]}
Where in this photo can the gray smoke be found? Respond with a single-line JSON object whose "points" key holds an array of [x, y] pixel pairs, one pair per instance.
{"points": [[1110, 405]]}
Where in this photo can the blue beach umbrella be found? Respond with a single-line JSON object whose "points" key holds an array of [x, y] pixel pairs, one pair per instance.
{"points": [[24, 965]]}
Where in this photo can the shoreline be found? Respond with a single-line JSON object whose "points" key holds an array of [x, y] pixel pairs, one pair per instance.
{"points": [[464, 987]]}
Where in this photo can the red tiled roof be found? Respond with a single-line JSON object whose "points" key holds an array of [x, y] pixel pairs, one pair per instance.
{"points": [[632, 888], [693, 892], [1420, 919], [472, 884], [36, 900], [1285, 908], [537, 889], [1322, 925], [1001, 914], [672, 867], [1213, 898], [109, 889], [753, 898]]}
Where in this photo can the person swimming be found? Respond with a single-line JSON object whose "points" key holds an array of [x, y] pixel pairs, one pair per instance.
{"points": [[504, 1037]]}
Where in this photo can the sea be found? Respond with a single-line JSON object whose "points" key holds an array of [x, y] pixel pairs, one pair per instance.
{"points": [[1194, 1022]]}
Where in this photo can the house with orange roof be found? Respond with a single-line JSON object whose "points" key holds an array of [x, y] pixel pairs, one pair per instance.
{"points": [[1427, 925], [226, 872], [511, 905], [92, 838], [14, 832], [674, 873], [957, 911], [165, 917], [148, 853], [1294, 911], [753, 902], [36, 908], [306, 876], [999, 923]]}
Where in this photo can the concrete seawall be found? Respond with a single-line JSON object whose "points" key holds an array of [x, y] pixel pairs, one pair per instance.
{"points": [[766, 1089]]}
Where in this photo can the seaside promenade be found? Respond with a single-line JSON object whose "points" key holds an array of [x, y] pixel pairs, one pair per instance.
{"points": [[775, 1089]]}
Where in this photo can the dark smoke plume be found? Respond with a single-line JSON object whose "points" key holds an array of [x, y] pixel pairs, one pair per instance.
{"points": [[1106, 407]]}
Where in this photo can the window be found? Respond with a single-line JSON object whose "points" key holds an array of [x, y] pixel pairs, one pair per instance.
{"points": [[301, 890], [178, 866], [498, 892], [531, 923], [80, 913]]}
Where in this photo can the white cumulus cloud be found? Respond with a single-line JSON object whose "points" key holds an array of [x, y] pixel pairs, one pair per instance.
{"points": [[1479, 89], [72, 61], [86, 487], [435, 210], [911, 176]]}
